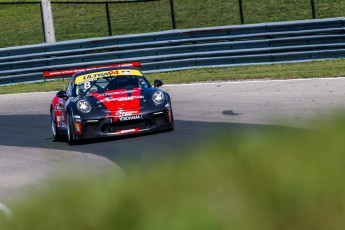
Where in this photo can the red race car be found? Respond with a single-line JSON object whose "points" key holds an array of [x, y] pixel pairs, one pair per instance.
{"points": [[108, 101]]}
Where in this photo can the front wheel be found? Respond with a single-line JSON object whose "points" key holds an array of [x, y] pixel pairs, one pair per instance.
{"points": [[70, 130], [172, 121], [54, 127]]}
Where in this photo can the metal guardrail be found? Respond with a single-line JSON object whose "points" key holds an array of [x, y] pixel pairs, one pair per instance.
{"points": [[183, 49]]}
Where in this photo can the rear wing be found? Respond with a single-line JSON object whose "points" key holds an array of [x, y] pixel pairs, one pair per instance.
{"points": [[61, 73]]}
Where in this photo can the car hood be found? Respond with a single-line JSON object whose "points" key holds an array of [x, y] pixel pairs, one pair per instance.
{"points": [[123, 99]]}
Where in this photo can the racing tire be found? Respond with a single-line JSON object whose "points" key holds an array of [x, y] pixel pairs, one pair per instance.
{"points": [[54, 127], [172, 122], [70, 130]]}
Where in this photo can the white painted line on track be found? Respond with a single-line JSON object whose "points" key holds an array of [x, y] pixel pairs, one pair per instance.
{"points": [[217, 83], [5, 210]]}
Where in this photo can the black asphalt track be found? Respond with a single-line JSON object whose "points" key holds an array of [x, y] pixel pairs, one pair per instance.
{"points": [[34, 131]]}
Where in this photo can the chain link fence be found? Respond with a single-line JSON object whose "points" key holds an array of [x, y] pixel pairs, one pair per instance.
{"points": [[21, 22]]}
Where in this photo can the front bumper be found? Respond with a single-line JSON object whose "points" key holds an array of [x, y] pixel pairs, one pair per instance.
{"points": [[106, 126]]}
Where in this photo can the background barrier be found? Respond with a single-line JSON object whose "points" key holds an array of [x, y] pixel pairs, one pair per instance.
{"points": [[183, 49]]}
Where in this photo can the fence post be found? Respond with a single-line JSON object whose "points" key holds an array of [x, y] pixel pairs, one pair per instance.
{"points": [[313, 8], [240, 6], [47, 15], [172, 14], [42, 18], [108, 19]]}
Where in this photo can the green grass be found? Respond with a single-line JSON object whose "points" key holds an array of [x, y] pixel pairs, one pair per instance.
{"points": [[278, 179], [315, 69], [34, 87], [21, 24]]}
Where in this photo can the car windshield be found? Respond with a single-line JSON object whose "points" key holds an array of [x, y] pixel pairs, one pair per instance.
{"points": [[101, 85]]}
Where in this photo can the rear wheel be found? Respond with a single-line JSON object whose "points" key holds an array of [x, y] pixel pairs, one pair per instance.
{"points": [[70, 130], [54, 127]]}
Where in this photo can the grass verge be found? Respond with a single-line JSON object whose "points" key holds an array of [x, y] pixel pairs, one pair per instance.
{"points": [[315, 69]]}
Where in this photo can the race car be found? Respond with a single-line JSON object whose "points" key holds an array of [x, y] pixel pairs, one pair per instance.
{"points": [[108, 101]]}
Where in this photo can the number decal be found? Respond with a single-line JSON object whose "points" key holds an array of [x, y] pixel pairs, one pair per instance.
{"points": [[113, 72], [87, 85]]}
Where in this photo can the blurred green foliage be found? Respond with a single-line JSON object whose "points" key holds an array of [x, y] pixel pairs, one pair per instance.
{"points": [[274, 179]]}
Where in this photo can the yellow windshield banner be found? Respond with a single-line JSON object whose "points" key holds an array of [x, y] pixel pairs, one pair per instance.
{"points": [[109, 73]]}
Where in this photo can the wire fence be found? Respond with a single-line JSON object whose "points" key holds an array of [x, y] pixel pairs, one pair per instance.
{"points": [[21, 22]]}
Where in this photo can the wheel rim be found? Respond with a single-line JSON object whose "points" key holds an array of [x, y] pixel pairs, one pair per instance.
{"points": [[53, 123], [69, 130]]}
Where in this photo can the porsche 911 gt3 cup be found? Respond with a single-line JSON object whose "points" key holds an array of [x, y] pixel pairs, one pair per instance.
{"points": [[109, 101]]}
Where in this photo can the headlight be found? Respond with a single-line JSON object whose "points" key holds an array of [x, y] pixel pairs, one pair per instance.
{"points": [[84, 106], [158, 97]]}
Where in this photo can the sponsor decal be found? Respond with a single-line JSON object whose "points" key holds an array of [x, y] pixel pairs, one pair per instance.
{"points": [[102, 74], [127, 72], [122, 72], [122, 113], [129, 100], [131, 118], [119, 92], [62, 125], [111, 99]]}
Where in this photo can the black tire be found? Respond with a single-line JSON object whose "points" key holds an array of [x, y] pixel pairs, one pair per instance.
{"points": [[70, 130], [172, 121], [172, 117], [54, 126]]}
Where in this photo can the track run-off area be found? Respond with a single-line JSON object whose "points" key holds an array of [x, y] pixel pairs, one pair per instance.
{"points": [[29, 157]]}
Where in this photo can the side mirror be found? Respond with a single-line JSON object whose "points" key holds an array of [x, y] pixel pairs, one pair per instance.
{"points": [[157, 83], [61, 94]]}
